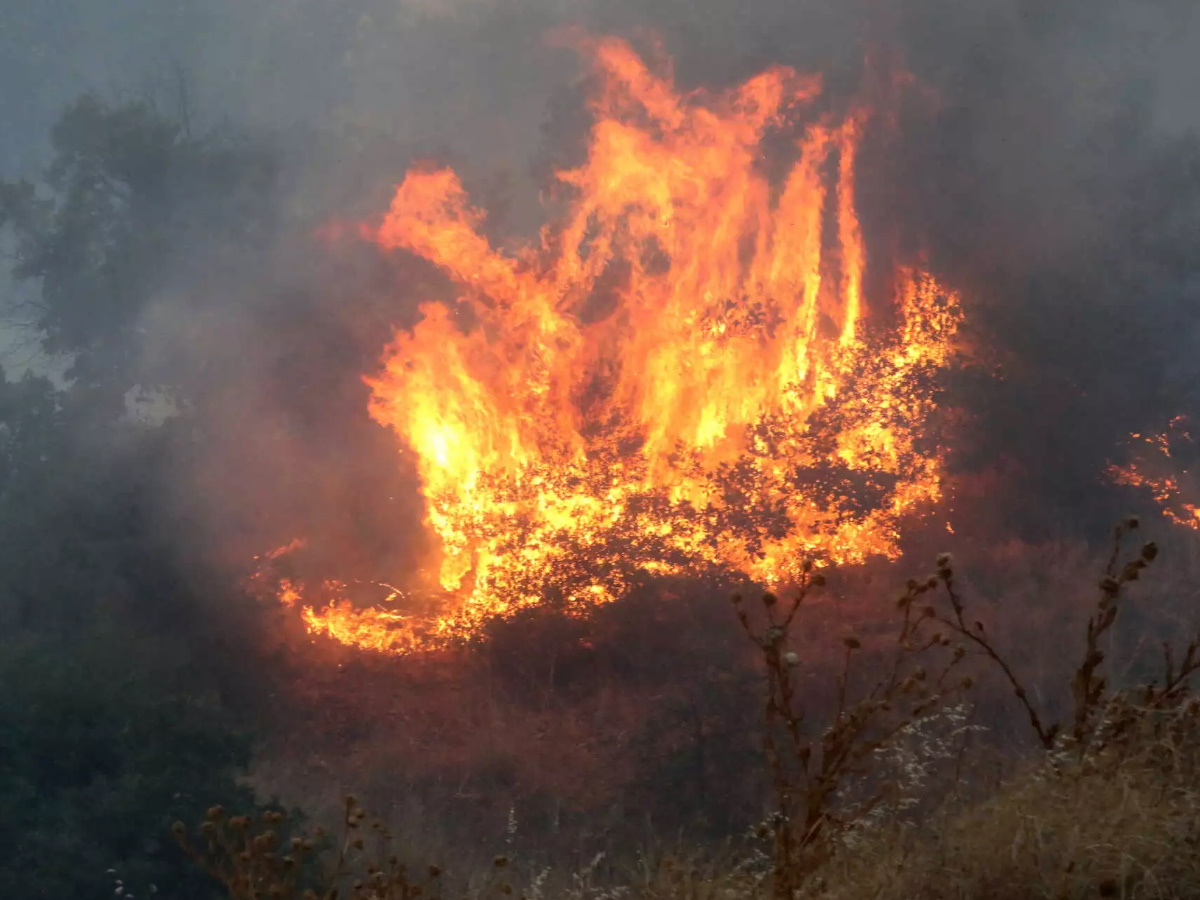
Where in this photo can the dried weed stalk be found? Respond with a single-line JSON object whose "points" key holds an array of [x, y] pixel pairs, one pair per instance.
{"points": [[812, 768], [1100, 715], [263, 859]]}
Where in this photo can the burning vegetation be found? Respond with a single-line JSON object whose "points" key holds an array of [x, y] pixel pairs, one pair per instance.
{"points": [[685, 375], [510, 520], [1162, 464], [881, 793]]}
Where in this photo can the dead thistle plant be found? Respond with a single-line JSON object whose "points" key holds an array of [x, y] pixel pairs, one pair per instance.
{"points": [[257, 859], [1100, 715], [812, 766]]}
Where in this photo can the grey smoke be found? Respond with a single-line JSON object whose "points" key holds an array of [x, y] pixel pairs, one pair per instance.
{"points": [[1056, 121]]}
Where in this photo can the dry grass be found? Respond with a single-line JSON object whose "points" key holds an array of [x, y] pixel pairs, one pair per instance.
{"points": [[814, 769], [1123, 824], [1109, 808]]}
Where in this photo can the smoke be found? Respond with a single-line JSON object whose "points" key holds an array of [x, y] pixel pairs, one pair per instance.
{"points": [[476, 74], [1048, 170], [1052, 180], [1057, 184]]}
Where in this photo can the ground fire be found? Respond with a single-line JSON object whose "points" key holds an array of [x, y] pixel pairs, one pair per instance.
{"points": [[1160, 465], [684, 375]]}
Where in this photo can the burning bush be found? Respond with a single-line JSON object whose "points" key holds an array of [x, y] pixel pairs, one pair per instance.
{"points": [[694, 372]]}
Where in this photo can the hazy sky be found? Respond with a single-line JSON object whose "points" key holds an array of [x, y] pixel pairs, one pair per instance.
{"points": [[466, 71]]}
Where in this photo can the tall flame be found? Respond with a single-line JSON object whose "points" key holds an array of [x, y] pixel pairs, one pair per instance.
{"points": [[681, 377]]}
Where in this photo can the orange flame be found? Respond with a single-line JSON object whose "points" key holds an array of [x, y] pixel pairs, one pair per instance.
{"points": [[1156, 469], [679, 378]]}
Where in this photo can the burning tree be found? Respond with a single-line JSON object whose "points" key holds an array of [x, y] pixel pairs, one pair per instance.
{"points": [[684, 375]]}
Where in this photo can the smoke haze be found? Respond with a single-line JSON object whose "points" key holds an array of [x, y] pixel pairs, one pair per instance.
{"points": [[1047, 169], [1054, 129], [477, 76]]}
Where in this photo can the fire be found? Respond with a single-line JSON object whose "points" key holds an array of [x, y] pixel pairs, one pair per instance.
{"points": [[681, 377], [1158, 467]]}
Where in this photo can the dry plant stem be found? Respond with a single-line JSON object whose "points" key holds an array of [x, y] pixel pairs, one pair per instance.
{"points": [[1089, 685], [1175, 681], [976, 635], [248, 863], [810, 774]]}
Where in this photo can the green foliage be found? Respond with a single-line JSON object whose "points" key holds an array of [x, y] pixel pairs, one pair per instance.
{"points": [[121, 696], [111, 717], [130, 200], [101, 747]]}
